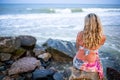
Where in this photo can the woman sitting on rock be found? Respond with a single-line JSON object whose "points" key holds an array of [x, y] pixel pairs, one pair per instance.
{"points": [[88, 42]]}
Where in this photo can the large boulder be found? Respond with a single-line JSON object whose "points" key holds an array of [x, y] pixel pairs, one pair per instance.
{"points": [[9, 44], [24, 64], [27, 42], [60, 50]]}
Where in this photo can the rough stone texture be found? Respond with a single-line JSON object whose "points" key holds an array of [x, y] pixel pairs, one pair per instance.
{"points": [[7, 78], [45, 56], [18, 53], [9, 44], [43, 74], [2, 68], [82, 75], [5, 56], [38, 51], [58, 55], [58, 76], [65, 47], [24, 65], [2, 76], [1, 63], [27, 41], [112, 74]]}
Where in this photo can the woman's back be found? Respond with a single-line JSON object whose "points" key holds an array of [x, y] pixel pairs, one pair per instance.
{"points": [[88, 42], [91, 53]]}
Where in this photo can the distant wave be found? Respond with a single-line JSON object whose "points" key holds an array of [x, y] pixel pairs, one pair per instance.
{"points": [[101, 9], [55, 10]]}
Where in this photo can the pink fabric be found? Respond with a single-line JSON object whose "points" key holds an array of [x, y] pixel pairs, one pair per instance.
{"points": [[93, 67]]}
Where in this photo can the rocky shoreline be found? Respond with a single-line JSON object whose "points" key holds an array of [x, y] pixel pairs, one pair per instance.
{"points": [[22, 59]]}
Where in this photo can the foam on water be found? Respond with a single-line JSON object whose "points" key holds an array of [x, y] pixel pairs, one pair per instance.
{"points": [[63, 24]]}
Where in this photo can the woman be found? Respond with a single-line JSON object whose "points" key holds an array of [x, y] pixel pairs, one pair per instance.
{"points": [[88, 42]]}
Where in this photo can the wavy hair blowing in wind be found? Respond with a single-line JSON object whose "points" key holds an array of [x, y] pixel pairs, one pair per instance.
{"points": [[93, 31]]}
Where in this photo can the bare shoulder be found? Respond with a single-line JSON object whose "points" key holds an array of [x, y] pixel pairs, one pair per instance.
{"points": [[80, 33]]}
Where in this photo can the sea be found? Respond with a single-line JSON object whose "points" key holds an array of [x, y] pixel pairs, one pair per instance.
{"points": [[63, 21]]}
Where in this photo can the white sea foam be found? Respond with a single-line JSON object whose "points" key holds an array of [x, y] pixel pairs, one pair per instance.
{"points": [[101, 9], [63, 11], [63, 24], [28, 8]]}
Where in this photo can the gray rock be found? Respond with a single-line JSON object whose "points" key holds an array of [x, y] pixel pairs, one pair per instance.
{"points": [[58, 76], [5, 56], [24, 65], [27, 41], [9, 62], [2, 76], [7, 78], [2, 68], [60, 50], [9, 44], [38, 51], [65, 47], [42, 74]]}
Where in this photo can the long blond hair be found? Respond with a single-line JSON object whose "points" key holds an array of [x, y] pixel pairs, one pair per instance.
{"points": [[92, 33]]}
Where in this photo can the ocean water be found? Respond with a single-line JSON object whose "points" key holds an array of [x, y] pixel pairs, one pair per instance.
{"points": [[63, 22]]}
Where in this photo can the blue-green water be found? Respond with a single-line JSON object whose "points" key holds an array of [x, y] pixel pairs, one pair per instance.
{"points": [[50, 8], [62, 22]]}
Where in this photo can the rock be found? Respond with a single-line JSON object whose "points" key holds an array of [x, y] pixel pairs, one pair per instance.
{"points": [[2, 76], [45, 63], [18, 53], [9, 44], [5, 56], [24, 64], [58, 56], [27, 42], [58, 76], [82, 75], [2, 68], [45, 59], [28, 76], [65, 47], [43, 74], [29, 53], [45, 56], [17, 77], [7, 78], [20, 78], [38, 51], [9, 62], [1, 63], [112, 74], [67, 72]]}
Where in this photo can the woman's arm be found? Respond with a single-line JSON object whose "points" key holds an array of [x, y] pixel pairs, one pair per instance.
{"points": [[103, 39], [78, 40]]}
